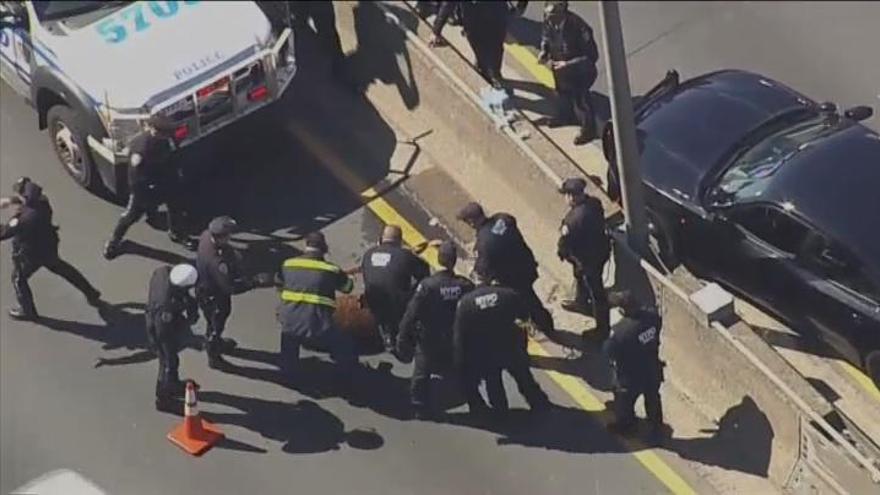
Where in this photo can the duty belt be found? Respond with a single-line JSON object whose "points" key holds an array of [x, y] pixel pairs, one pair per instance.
{"points": [[305, 297]]}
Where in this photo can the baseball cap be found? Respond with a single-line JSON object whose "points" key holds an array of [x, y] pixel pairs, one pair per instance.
{"points": [[222, 226], [184, 275], [573, 185], [471, 211], [316, 240]]}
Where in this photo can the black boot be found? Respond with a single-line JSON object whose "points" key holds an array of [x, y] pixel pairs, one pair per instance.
{"points": [[112, 249], [20, 314], [184, 240]]}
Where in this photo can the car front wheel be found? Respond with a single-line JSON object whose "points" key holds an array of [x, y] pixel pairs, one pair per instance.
{"points": [[69, 143]]}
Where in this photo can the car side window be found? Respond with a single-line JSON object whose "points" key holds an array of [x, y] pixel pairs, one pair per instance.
{"points": [[772, 226], [834, 262]]}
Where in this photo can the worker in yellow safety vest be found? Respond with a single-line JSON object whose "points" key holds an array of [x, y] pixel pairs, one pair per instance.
{"points": [[308, 300]]}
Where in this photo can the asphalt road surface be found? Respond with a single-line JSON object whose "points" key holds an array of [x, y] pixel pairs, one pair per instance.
{"points": [[826, 50], [76, 389]]}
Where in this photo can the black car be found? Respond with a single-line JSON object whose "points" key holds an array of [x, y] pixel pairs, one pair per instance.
{"points": [[772, 193]]}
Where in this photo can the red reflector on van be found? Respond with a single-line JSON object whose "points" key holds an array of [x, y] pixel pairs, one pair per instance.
{"points": [[258, 93], [181, 132]]}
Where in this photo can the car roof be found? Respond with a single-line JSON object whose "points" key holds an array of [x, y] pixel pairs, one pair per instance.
{"points": [[834, 184], [692, 127]]}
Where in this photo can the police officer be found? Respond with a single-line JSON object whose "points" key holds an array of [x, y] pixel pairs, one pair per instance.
{"points": [[634, 350], [323, 18], [427, 326], [152, 180], [503, 255], [308, 300], [485, 26], [487, 339], [219, 278], [390, 273], [584, 242], [171, 309], [35, 245], [568, 45]]}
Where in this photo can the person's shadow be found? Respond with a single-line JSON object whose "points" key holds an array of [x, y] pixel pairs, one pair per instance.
{"points": [[378, 56], [741, 442], [303, 428], [122, 329]]}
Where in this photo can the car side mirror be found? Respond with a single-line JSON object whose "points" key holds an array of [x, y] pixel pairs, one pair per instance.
{"points": [[859, 113], [719, 200]]}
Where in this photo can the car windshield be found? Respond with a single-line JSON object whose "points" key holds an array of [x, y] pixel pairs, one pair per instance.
{"points": [[752, 171], [51, 11]]}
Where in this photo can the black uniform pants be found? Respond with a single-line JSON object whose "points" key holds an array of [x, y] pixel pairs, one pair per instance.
{"points": [[340, 346], [625, 397], [24, 267], [324, 18], [141, 203], [387, 314], [216, 310], [517, 365], [573, 88], [589, 281], [426, 363], [540, 316], [166, 339], [487, 43]]}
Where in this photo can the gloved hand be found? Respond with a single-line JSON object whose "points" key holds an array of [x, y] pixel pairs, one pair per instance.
{"points": [[263, 280]]}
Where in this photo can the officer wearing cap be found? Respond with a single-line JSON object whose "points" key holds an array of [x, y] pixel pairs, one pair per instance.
{"points": [[503, 255], [152, 180], [35, 245], [426, 326], [170, 310], [308, 301], [390, 274], [488, 338], [567, 44], [584, 242], [634, 351], [219, 279]]}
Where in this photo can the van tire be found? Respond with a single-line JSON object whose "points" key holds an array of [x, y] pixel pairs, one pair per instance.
{"points": [[71, 148]]}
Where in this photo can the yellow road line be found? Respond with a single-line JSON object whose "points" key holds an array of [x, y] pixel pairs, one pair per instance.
{"points": [[862, 379], [528, 60], [388, 215]]}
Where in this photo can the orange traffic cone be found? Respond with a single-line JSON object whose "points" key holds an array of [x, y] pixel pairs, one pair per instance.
{"points": [[194, 435]]}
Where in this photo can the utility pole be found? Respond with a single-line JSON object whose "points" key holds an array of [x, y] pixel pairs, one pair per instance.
{"points": [[625, 145]]}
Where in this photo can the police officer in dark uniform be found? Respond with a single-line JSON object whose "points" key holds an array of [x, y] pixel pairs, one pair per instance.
{"points": [[488, 339], [584, 242], [634, 350], [390, 272], [485, 26], [152, 180], [308, 301], [171, 309], [323, 17], [35, 245], [503, 255], [568, 45], [219, 279], [427, 326]]}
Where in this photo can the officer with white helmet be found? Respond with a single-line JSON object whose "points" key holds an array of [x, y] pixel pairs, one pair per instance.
{"points": [[171, 309]]}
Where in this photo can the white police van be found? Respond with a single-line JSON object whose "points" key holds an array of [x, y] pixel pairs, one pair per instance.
{"points": [[95, 71]]}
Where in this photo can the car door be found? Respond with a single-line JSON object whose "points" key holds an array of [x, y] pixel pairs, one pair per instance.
{"points": [[756, 246], [844, 301]]}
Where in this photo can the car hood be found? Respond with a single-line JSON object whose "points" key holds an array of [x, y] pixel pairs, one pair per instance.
{"points": [[684, 135], [168, 55]]}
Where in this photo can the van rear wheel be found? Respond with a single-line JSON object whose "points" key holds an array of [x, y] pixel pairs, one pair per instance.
{"points": [[71, 148]]}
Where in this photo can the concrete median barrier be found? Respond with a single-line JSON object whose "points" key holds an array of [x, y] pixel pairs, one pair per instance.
{"points": [[762, 409]]}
